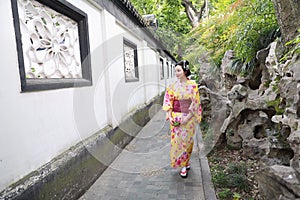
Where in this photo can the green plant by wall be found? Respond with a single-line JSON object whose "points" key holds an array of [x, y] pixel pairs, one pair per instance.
{"points": [[225, 194], [204, 125], [236, 196], [229, 179], [230, 132]]}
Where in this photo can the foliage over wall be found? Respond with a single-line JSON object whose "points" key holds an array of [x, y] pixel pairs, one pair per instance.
{"points": [[245, 26], [173, 23]]}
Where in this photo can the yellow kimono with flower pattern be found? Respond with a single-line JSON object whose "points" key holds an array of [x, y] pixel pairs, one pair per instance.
{"points": [[182, 137]]}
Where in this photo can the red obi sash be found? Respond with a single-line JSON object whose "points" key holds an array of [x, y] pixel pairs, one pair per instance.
{"points": [[181, 105]]}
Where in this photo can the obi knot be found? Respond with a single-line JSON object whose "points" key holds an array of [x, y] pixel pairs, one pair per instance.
{"points": [[182, 105]]}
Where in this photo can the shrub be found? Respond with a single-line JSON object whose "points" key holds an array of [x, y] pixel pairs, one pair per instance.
{"points": [[231, 177]]}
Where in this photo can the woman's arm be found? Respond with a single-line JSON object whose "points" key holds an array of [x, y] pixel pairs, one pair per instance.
{"points": [[171, 119], [194, 107], [168, 104], [187, 118]]}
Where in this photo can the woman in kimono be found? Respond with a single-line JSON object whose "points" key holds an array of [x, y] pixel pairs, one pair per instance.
{"points": [[182, 104]]}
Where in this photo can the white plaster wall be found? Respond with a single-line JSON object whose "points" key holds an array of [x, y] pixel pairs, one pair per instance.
{"points": [[171, 78], [164, 80], [151, 73], [125, 96], [167, 80], [37, 126]]}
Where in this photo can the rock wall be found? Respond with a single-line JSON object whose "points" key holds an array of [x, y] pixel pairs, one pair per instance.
{"points": [[287, 12], [263, 119]]}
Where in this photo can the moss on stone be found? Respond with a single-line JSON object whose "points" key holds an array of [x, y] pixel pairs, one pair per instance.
{"points": [[276, 104]]}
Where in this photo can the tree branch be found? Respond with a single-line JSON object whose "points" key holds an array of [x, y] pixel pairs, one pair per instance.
{"points": [[193, 14], [200, 14], [187, 3]]}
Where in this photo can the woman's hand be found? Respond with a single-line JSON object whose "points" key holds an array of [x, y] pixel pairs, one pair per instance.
{"points": [[170, 118], [186, 119]]}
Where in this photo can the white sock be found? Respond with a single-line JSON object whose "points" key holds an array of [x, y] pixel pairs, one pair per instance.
{"points": [[183, 169]]}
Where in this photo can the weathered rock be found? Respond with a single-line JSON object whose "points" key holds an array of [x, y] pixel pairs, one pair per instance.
{"points": [[205, 102], [234, 141], [278, 182], [262, 118], [295, 69], [285, 132], [287, 13], [206, 77], [228, 78], [237, 92], [287, 90], [256, 148], [294, 141], [265, 76], [226, 62], [290, 121], [297, 101], [253, 126], [272, 60], [262, 54], [218, 111], [280, 151]]}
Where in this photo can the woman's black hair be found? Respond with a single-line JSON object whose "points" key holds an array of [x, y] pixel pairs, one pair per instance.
{"points": [[185, 66]]}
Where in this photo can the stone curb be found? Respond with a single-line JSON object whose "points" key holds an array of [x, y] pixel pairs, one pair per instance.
{"points": [[208, 187]]}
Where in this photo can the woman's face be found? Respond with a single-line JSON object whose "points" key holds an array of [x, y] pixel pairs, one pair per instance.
{"points": [[179, 72]]}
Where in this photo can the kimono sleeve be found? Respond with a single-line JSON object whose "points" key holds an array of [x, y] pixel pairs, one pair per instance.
{"points": [[196, 108], [168, 99]]}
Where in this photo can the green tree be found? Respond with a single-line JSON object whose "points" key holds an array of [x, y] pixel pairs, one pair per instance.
{"points": [[173, 22], [147, 7], [245, 26]]}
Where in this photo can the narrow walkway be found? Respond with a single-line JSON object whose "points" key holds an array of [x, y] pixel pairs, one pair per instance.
{"points": [[142, 170]]}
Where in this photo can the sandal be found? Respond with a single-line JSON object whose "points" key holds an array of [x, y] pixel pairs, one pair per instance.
{"points": [[183, 173]]}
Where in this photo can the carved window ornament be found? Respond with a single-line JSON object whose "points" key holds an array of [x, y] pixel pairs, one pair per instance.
{"points": [[52, 44], [130, 61], [162, 71]]}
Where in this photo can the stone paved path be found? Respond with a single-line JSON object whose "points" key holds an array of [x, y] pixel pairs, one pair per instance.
{"points": [[142, 171]]}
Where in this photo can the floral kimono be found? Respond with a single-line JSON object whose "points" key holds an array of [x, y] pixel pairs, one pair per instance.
{"points": [[182, 136]]}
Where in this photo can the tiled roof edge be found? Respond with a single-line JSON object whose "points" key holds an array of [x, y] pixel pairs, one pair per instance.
{"points": [[130, 11]]}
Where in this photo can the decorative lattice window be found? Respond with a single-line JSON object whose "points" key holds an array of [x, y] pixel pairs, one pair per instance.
{"points": [[130, 61], [52, 43], [162, 71]]}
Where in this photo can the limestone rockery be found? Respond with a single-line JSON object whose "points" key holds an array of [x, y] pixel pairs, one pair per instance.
{"points": [[259, 113]]}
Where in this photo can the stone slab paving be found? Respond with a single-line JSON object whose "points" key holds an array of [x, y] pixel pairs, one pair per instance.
{"points": [[142, 170]]}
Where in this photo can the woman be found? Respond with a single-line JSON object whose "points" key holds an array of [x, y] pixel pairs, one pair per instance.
{"points": [[182, 103]]}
